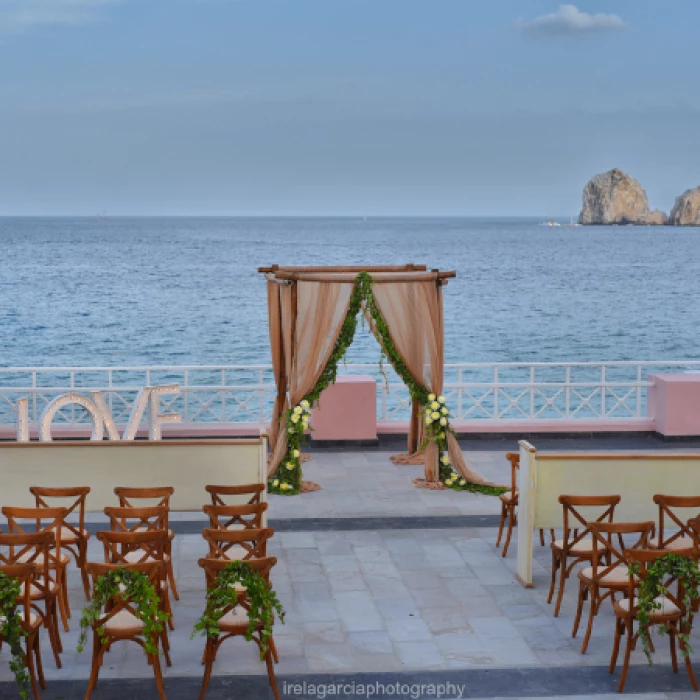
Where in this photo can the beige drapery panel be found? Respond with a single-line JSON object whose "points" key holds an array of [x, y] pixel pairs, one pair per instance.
{"points": [[279, 368], [312, 318], [413, 313]]}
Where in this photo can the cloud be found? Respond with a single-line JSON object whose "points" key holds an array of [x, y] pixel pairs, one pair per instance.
{"points": [[18, 16], [569, 20]]}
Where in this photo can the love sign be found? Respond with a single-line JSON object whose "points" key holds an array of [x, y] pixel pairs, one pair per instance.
{"points": [[148, 398]]}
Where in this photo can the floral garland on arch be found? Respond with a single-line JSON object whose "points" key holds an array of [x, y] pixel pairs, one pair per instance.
{"points": [[287, 479]]}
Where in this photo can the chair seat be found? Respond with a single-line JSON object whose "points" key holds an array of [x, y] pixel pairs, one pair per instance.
{"points": [[585, 546], [136, 556], [668, 607], [35, 593], [236, 619], [70, 537], [236, 552], [507, 497], [679, 543], [236, 526], [123, 622], [144, 528], [34, 621], [65, 559], [618, 576]]}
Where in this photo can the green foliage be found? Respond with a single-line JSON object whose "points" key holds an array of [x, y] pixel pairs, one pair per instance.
{"points": [[132, 586], [671, 566], [261, 598], [287, 478], [12, 630]]}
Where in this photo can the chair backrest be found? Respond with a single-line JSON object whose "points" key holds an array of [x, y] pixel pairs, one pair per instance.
{"points": [[514, 459], [71, 498], [119, 547], [237, 544], [580, 511], [129, 496], [30, 548], [154, 571], [213, 567], [252, 491], [236, 517], [608, 556], [44, 520], [23, 574], [126, 519], [670, 519], [642, 559]]}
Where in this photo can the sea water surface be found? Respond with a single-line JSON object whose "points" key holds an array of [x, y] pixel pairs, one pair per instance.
{"points": [[144, 291]]}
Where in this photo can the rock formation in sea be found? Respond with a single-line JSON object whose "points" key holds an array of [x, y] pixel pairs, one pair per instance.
{"points": [[616, 198], [686, 210]]}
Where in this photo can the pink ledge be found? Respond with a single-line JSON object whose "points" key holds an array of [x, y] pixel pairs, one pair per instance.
{"points": [[583, 425]]}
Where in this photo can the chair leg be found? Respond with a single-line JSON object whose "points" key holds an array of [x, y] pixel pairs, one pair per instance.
{"points": [[672, 641], [555, 566], [29, 662], [51, 624], [541, 537], [155, 661], [271, 674], [500, 524], [511, 522], [582, 594], [628, 652], [688, 665], [562, 581], [592, 612], [273, 648], [171, 578], [39, 666], [82, 554], [97, 652], [209, 654], [616, 645]]}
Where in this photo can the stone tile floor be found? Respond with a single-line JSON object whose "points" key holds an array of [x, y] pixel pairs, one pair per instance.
{"points": [[385, 601]]}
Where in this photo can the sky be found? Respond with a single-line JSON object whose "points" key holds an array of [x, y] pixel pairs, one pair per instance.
{"points": [[333, 107]]}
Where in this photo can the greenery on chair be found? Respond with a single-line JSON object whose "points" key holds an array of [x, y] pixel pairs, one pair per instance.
{"points": [[673, 566], [12, 630], [287, 479], [260, 596], [127, 585]]}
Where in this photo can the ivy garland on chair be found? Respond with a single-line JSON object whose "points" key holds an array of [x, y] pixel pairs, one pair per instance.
{"points": [[135, 587], [287, 478], [261, 597], [12, 630], [652, 588]]}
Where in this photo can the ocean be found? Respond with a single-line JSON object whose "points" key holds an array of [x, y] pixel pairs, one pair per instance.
{"points": [[145, 291]]}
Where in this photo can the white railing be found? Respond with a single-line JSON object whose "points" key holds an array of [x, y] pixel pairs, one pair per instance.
{"points": [[234, 394]]}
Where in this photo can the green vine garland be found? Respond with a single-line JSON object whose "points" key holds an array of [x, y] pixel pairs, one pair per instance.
{"points": [[287, 478], [12, 630], [261, 597], [673, 566], [130, 586]]}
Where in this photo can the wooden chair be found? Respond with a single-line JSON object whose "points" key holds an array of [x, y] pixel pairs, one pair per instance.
{"points": [[24, 574], [579, 548], [119, 622], [74, 538], [234, 622], [58, 559], [682, 538], [33, 548], [509, 502], [253, 492], [236, 517], [147, 519], [130, 496], [671, 613], [239, 545], [139, 548], [607, 574]]}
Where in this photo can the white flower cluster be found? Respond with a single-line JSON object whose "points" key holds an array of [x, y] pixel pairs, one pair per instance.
{"points": [[453, 479], [302, 413], [436, 411]]}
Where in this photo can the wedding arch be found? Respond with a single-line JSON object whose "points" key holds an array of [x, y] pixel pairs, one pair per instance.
{"points": [[313, 315]]}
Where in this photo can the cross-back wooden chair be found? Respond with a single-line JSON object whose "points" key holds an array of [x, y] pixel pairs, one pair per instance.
{"points": [[577, 542], [607, 574], [139, 547], [74, 537], [509, 503], [147, 519], [673, 532], [119, 623], [24, 574], [236, 517], [46, 520], [250, 493], [234, 622], [237, 544], [671, 613], [33, 548], [131, 497]]}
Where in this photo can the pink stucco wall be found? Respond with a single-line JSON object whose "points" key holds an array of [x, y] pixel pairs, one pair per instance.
{"points": [[673, 401], [347, 410]]}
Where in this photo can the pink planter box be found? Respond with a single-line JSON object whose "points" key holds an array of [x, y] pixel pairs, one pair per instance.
{"points": [[674, 403], [347, 410]]}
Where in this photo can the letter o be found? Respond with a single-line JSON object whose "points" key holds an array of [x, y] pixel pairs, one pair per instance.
{"points": [[66, 400]]}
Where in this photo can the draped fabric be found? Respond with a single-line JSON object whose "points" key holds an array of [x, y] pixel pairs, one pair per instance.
{"points": [[312, 318], [279, 369]]}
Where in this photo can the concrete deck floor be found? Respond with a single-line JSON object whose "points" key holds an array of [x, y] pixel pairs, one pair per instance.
{"points": [[393, 604]]}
